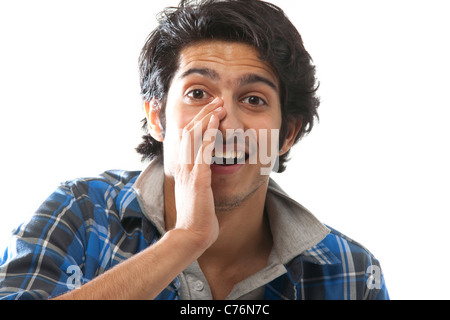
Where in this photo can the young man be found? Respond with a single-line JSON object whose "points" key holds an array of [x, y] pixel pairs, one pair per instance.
{"points": [[224, 83]]}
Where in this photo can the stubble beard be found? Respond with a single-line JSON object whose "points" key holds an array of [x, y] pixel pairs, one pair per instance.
{"points": [[225, 203]]}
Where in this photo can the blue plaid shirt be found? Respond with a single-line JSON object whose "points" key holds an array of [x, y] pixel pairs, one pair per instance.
{"points": [[88, 226]]}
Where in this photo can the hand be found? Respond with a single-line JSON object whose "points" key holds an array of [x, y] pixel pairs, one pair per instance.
{"points": [[193, 194]]}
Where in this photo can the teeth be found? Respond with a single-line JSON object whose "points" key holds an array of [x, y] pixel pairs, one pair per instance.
{"points": [[228, 154]]}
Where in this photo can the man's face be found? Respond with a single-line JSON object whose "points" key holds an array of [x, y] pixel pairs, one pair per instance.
{"points": [[248, 90]]}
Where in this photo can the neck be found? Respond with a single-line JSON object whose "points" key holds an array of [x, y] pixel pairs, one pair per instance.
{"points": [[244, 232], [244, 243], [244, 229]]}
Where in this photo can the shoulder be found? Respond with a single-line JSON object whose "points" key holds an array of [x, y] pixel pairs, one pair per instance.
{"points": [[340, 253], [342, 245], [107, 181], [101, 191], [78, 203], [102, 198], [343, 269], [79, 224]]}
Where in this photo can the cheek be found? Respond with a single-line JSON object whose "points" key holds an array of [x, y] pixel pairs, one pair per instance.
{"points": [[176, 117], [267, 121], [276, 119], [184, 118], [268, 131], [172, 129]]}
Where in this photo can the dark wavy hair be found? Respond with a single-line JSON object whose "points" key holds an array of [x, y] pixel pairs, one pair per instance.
{"points": [[258, 23]]}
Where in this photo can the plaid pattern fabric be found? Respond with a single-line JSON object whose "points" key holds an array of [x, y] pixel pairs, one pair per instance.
{"points": [[88, 226], [337, 268]]}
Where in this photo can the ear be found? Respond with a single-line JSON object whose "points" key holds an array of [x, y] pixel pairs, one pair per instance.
{"points": [[152, 110], [294, 126]]}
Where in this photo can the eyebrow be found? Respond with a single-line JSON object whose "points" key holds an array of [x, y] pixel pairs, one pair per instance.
{"points": [[243, 81], [254, 78], [202, 71]]}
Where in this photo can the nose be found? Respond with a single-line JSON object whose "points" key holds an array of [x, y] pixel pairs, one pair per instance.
{"points": [[232, 119]]}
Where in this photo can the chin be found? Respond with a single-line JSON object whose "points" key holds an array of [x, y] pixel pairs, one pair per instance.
{"points": [[227, 197]]}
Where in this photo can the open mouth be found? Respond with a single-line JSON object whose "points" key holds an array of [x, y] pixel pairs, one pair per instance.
{"points": [[229, 158]]}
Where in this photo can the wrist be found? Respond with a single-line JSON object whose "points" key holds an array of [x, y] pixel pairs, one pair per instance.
{"points": [[193, 242]]}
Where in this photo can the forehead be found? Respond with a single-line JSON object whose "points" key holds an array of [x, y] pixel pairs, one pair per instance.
{"points": [[223, 57]]}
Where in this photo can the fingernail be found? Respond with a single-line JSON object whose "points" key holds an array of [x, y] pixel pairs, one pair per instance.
{"points": [[218, 109]]}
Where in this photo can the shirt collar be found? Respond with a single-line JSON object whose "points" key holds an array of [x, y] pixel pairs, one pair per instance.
{"points": [[295, 230], [149, 188]]}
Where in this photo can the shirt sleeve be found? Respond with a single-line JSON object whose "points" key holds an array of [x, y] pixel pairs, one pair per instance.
{"points": [[45, 255]]}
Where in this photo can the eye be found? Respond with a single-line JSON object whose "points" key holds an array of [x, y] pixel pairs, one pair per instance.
{"points": [[254, 101], [198, 94]]}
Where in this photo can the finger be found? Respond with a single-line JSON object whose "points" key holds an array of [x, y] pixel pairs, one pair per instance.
{"points": [[192, 140], [200, 127], [185, 156], [192, 134], [204, 154], [204, 112]]}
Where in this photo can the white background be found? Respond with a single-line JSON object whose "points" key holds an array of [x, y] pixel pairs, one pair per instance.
{"points": [[376, 167]]}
